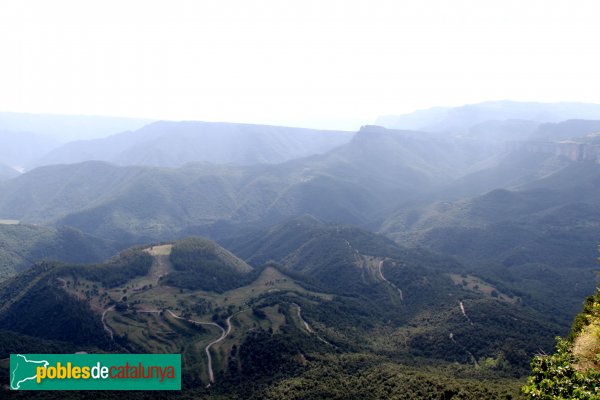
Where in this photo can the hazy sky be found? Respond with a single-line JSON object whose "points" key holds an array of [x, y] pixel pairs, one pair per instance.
{"points": [[301, 62]]}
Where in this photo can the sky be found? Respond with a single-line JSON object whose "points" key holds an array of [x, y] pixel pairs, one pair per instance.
{"points": [[324, 63]]}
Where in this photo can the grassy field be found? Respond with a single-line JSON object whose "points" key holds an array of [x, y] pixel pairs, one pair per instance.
{"points": [[477, 285], [269, 281]]}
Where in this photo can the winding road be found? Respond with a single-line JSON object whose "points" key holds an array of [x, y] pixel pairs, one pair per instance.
{"points": [[380, 265], [388, 282], [306, 325], [464, 313], [308, 328], [161, 267], [224, 334], [451, 336], [106, 327]]}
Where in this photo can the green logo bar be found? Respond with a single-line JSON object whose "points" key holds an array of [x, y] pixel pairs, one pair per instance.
{"points": [[95, 371]]}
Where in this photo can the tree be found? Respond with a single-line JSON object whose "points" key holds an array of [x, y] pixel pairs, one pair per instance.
{"points": [[553, 377]]}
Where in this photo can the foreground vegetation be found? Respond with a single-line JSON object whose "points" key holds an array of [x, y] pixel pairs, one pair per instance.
{"points": [[573, 370]]}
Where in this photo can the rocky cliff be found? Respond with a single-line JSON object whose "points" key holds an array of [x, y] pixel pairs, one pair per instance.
{"points": [[572, 150]]}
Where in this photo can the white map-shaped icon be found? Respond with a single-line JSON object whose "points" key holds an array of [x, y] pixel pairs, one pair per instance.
{"points": [[23, 371]]}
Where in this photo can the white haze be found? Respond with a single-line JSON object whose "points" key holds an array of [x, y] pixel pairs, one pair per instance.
{"points": [[327, 64]]}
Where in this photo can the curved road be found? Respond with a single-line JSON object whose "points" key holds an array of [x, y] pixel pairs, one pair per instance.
{"points": [[451, 336], [161, 266], [306, 325], [106, 327], [308, 328], [224, 334], [389, 283]]}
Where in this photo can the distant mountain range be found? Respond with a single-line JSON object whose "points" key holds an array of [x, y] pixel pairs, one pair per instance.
{"points": [[64, 128], [376, 171], [25, 138], [172, 144], [32, 140], [365, 181], [465, 118]]}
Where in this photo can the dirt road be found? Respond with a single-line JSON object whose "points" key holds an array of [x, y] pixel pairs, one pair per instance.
{"points": [[388, 282], [224, 334], [106, 327]]}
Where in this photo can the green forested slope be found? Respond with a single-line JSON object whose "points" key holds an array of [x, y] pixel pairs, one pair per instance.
{"points": [[22, 245], [309, 320], [362, 180]]}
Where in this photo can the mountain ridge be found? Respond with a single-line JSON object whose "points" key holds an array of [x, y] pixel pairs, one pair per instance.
{"points": [[172, 144], [461, 119]]}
